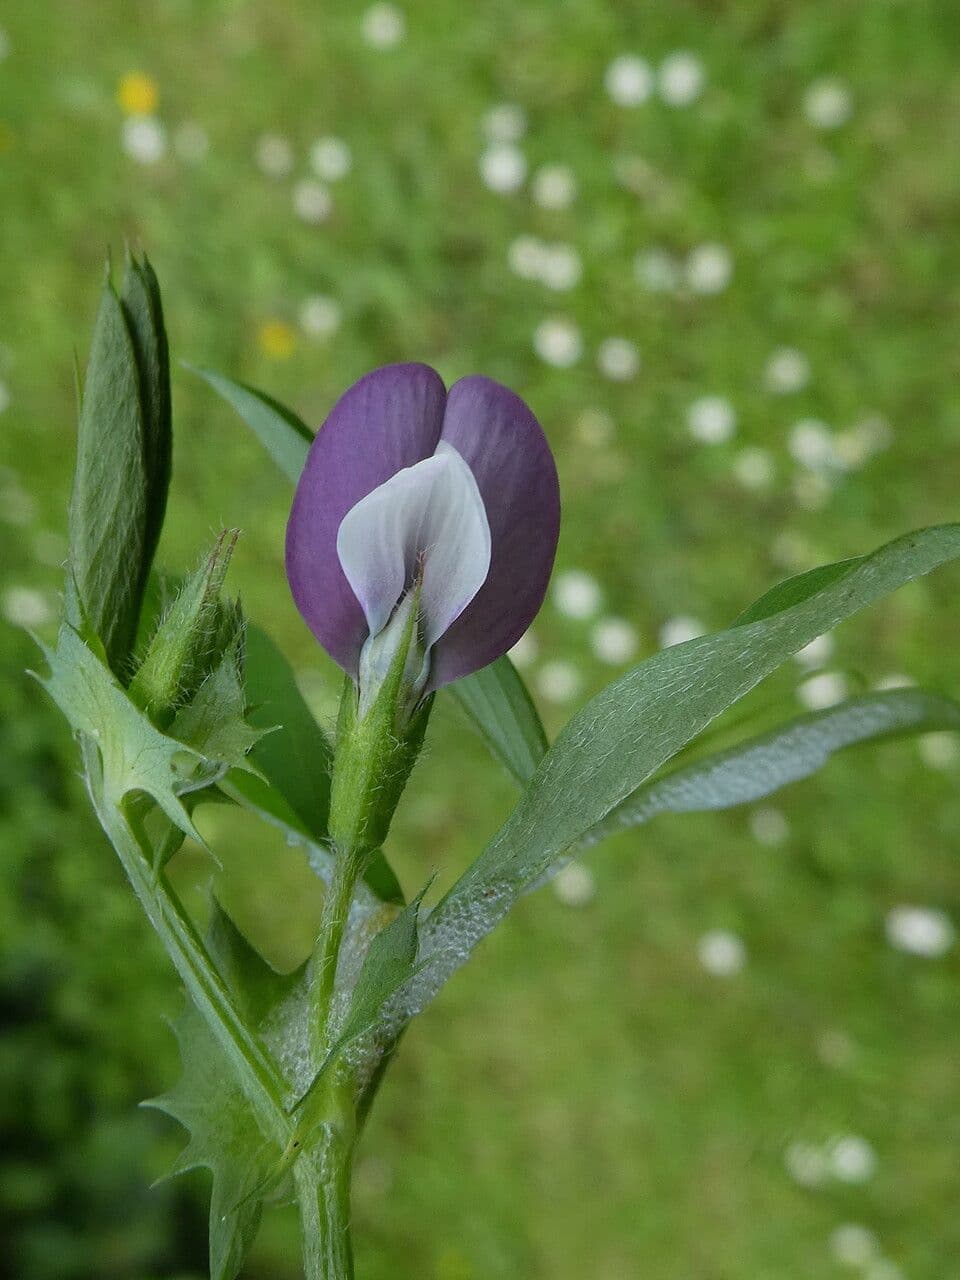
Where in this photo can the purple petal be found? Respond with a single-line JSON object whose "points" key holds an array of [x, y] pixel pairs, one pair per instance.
{"points": [[504, 445], [390, 419]]}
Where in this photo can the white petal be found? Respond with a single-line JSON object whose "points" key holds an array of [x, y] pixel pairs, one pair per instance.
{"points": [[431, 513]]}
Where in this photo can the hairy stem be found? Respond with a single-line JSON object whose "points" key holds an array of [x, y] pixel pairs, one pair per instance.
{"points": [[257, 1071], [322, 1178], [336, 913]]}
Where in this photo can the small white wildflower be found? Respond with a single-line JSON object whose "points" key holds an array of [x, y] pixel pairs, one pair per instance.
{"points": [[505, 122], [191, 142], [811, 444], [853, 1245], [709, 268], [618, 359], [503, 168], [853, 450], [559, 681], [525, 256], [574, 885], [524, 652], [858, 444], [679, 630], [921, 931], [595, 427], [320, 316], [754, 468], [657, 271], [629, 80], [614, 640], [816, 653], [554, 186], [27, 607], [939, 750], [822, 691], [712, 420], [828, 103], [560, 267], [681, 79], [274, 155], [576, 594], [144, 139], [557, 341], [876, 431], [787, 370], [852, 1158], [722, 953], [805, 1163], [769, 826], [383, 26], [331, 159], [312, 201]]}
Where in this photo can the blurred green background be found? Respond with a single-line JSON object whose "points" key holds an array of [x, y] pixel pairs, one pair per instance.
{"points": [[715, 246]]}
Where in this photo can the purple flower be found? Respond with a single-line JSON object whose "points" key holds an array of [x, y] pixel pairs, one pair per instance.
{"points": [[407, 482]]}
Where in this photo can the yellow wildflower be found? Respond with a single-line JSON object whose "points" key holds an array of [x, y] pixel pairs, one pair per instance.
{"points": [[138, 94], [277, 339]]}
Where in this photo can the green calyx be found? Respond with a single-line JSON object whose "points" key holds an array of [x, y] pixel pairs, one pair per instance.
{"points": [[379, 736]]}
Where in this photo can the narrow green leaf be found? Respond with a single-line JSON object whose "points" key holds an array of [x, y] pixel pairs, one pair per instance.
{"points": [[278, 428], [108, 506], [296, 758], [501, 710], [638, 723], [797, 589], [759, 767]]}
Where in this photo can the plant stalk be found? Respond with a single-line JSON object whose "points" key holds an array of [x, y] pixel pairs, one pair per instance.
{"points": [[336, 912], [323, 1190]]}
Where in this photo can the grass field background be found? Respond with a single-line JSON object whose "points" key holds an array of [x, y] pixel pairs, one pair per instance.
{"points": [[772, 230]]}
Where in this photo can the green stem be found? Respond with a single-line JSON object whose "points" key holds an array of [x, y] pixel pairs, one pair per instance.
{"points": [[336, 913], [257, 1071], [322, 1177]]}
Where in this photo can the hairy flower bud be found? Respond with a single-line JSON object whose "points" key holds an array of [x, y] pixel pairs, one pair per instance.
{"points": [[190, 640]]}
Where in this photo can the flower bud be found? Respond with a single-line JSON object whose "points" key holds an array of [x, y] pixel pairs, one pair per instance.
{"points": [[123, 464], [190, 640]]}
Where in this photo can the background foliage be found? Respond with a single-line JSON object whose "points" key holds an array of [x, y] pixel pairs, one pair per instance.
{"points": [[592, 1097]]}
